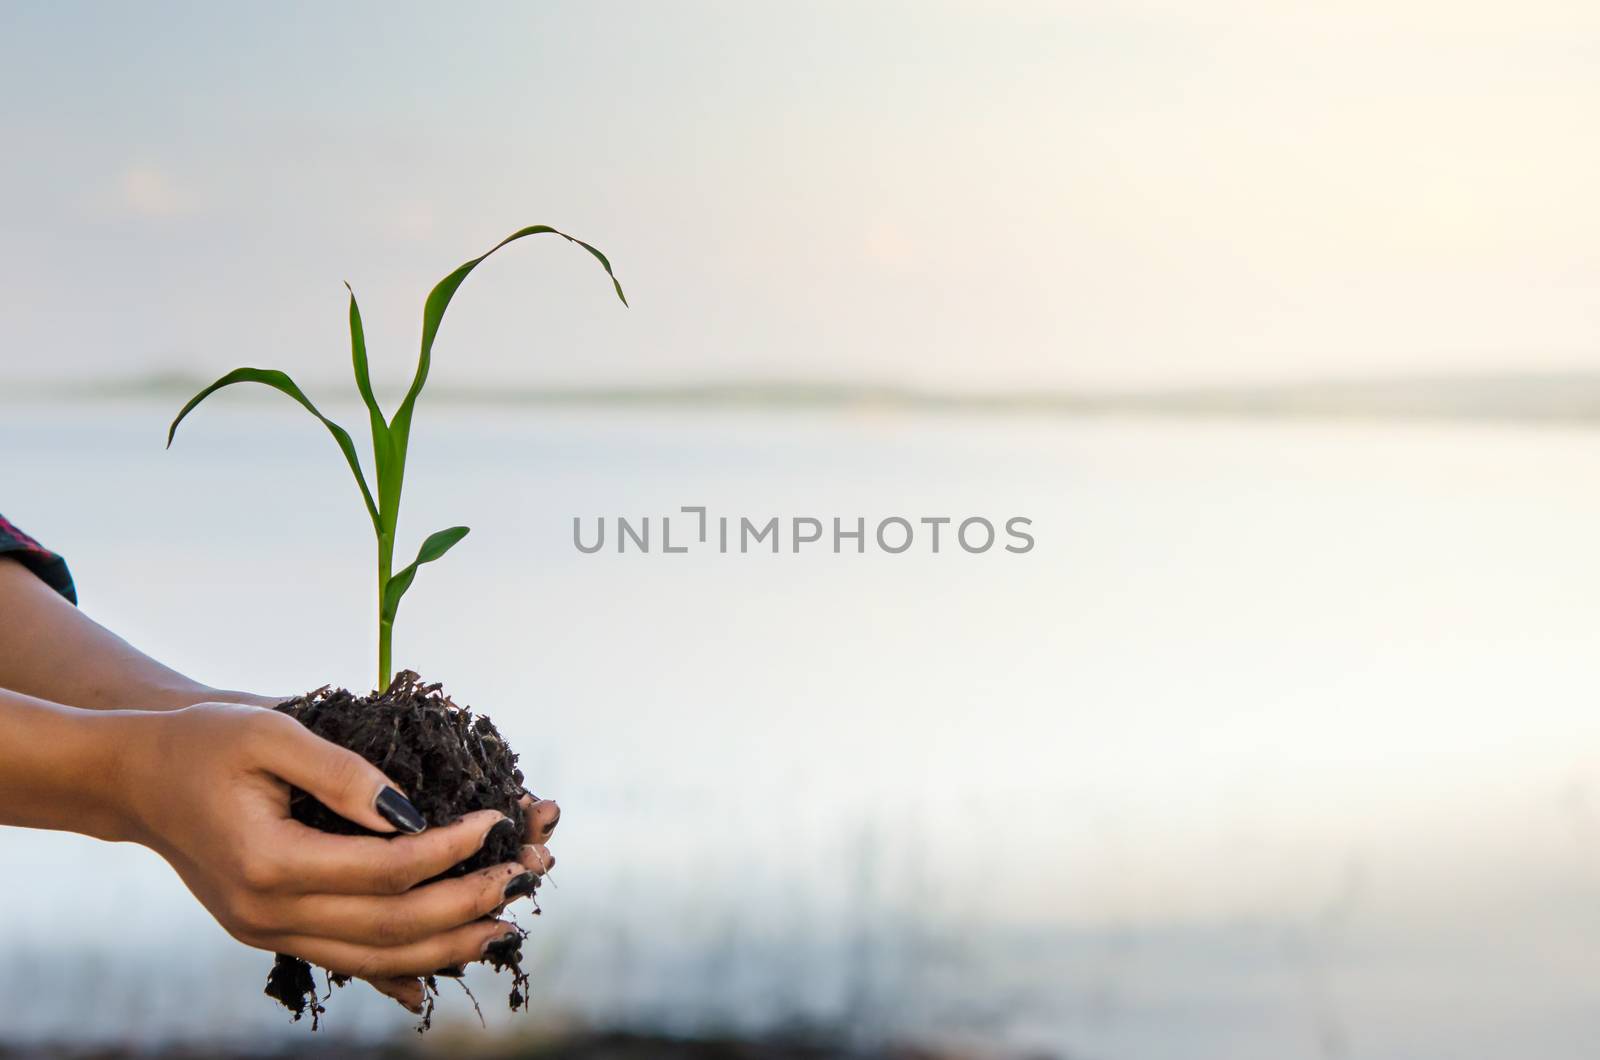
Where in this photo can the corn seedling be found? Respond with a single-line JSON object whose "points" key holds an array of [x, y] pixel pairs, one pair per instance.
{"points": [[390, 437]]}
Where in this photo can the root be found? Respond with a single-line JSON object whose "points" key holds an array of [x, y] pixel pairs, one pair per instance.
{"points": [[474, 999]]}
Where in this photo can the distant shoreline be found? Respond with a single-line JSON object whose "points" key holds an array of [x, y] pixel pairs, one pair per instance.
{"points": [[1568, 398]]}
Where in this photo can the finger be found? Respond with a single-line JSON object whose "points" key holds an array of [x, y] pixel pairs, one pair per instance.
{"points": [[537, 858], [457, 946], [322, 863], [340, 779], [418, 914], [541, 815], [408, 992]]}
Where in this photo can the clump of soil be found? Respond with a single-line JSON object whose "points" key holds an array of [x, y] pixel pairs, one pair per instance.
{"points": [[448, 761]]}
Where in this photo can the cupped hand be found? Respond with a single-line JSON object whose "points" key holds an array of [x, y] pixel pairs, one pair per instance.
{"points": [[207, 788]]}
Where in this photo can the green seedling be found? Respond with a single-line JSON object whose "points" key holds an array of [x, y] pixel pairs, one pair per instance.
{"points": [[390, 437]]}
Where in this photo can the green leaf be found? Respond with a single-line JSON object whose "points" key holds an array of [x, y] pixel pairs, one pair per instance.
{"points": [[382, 446], [433, 314], [281, 382], [358, 355], [435, 546]]}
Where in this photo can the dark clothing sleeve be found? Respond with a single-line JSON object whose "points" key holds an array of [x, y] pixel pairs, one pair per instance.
{"points": [[46, 564]]}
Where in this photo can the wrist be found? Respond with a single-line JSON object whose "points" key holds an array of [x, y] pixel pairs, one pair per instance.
{"points": [[186, 693], [249, 699], [128, 757], [71, 767], [172, 695]]}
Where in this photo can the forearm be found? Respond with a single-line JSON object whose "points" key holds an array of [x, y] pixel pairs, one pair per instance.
{"points": [[60, 766], [52, 650]]}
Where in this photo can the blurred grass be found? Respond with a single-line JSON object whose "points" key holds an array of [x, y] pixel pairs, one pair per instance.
{"points": [[611, 1045]]}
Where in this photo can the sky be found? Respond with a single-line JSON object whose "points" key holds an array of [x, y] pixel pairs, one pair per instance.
{"points": [[946, 193]]}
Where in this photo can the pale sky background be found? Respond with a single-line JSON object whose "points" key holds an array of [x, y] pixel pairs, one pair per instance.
{"points": [[956, 194]]}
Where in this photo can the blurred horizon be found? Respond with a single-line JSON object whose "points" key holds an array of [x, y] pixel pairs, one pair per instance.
{"points": [[1525, 398]]}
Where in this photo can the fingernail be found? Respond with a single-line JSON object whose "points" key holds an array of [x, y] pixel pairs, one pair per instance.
{"points": [[551, 827], [398, 811], [520, 886], [415, 1010], [455, 971], [504, 828], [502, 948]]}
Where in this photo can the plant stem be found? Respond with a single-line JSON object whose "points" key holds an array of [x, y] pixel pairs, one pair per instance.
{"points": [[385, 627]]}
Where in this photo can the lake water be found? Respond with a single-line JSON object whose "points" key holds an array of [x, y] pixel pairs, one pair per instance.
{"points": [[1282, 742]]}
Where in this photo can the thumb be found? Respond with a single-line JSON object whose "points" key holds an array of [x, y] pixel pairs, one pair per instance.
{"points": [[338, 778]]}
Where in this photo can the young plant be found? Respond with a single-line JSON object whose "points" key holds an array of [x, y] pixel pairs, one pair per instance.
{"points": [[390, 437]]}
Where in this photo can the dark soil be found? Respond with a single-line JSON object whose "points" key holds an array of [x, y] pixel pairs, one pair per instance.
{"points": [[448, 761]]}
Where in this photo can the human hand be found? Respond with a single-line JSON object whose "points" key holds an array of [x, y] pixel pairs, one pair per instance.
{"points": [[207, 787]]}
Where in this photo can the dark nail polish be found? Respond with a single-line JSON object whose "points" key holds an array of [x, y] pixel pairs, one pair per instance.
{"points": [[398, 811], [521, 886], [455, 971], [504, 949], [504, 828]]}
